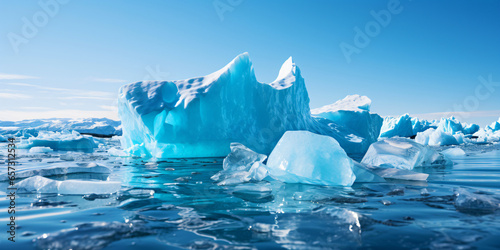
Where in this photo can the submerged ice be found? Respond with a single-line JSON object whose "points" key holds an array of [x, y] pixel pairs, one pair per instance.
{"points": [[39, 184]]}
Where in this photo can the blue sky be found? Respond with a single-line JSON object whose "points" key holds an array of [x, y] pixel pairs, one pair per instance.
{"points": [[427, 60]]}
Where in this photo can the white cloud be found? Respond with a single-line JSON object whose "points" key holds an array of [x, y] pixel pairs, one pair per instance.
{"points": [[111, 108], [75, 93], [9, 115], [15, 77], [439, 115], [14, 96]]}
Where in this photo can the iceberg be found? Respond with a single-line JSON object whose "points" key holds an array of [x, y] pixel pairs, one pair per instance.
{"points": [[364, 173], [353, 112], [401, 126], [437, 137], [51, 171], [305, 157], [402, 153], [419, 125], [201, 117], [241, 165], [3, 139], [65, 140], [39, 184]]}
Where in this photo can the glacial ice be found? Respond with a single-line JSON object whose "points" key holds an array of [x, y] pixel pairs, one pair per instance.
{"points": [[241, 165], [29, 128], [201, 117], [475, 204], [489, 134], [65, 140], [114, 151], [35, 150], [2, 138], [402, 153], [79, 168], [453, 152], [353, 112], [401, 126], [400, 174], [436, 137], [364, 173], [39, 184], [305, 157]]}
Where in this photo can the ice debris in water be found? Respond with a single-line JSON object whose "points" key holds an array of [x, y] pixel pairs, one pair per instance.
{"points": [[50, 171], [453, 152], [365, 174], [402, 153], [38, 184], [35, 150], [475, 204], [65, 140], [305, 157], [2, 138], [241, 165], [200, 117], [400, 174], [115, 151]]}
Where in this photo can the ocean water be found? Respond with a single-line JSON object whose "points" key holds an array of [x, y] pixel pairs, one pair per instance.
{"points": [[174, 204]]}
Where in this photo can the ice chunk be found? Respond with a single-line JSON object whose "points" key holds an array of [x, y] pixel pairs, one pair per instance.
{"points": [[38, 184], [401, 126], [34, 150], [305, 157], [475, 204], [365, 174], [78, 169], [420, 125], [453, 152], [436, 137], [402, 153], [201, 117], [400, 174], [471, 129], [353, 112], [64, 140], [241, 165], [114, 151], [2, 138]]}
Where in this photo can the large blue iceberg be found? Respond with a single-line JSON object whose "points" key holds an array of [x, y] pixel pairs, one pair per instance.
{"points": [[201, 117]]}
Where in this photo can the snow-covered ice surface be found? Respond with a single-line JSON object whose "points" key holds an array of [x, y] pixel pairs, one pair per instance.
{"points": [[175, 204]]}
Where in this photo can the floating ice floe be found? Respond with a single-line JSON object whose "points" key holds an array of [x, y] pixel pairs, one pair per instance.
{"points": [[402, 153], [365, 174], [201, 117], [2, 138], [475, 204], [453, 152], [305, 157], [241, 165], [35, 150], [65, 140], [39, 184], [437, 137], [81, 168], [400, 174], [114, 151]]}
